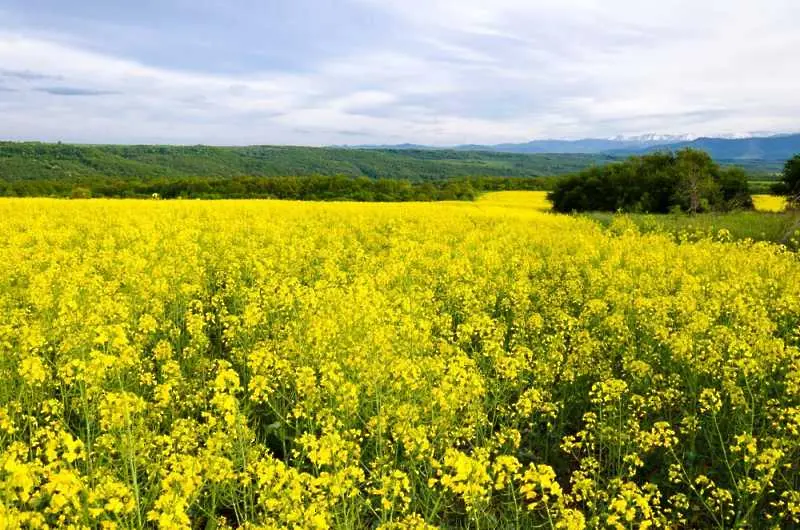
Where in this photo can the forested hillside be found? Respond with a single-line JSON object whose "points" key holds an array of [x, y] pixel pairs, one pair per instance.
{"points": [[24, 161], [41, 169]]}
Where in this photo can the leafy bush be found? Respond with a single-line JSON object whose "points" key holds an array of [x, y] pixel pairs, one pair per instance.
{"points": [[81, 193]]}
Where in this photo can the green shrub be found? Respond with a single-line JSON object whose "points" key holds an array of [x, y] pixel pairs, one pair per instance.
{"points": [[80, 193]]}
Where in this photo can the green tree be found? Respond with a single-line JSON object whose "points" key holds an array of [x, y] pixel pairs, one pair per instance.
{"points": [[735, 188], [697, 188], [791, 179]]}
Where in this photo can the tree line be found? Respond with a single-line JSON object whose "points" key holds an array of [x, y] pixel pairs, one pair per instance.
{"points": [[315, 187]]}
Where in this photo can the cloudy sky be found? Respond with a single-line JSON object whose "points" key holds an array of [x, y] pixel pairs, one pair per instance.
{"points": [[389, 71]]}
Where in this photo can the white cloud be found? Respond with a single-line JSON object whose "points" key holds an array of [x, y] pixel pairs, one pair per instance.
{"points": [[464, 71]]}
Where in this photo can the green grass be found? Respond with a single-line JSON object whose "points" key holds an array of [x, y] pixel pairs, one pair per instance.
{"points": [[781, 228], [761, 186]]}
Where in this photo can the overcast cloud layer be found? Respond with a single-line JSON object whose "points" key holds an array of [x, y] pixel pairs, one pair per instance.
{"points": [[389, 71]]}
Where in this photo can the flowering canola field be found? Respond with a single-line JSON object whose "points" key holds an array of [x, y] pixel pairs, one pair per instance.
{"points": [[769, 203], [475, 365]]}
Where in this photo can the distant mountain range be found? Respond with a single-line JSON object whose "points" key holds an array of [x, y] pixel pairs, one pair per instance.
{"points": [[587, 145], [772, 148], [779, 147]]}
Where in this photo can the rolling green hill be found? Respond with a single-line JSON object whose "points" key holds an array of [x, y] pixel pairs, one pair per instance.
{"points": [[24, 161]]}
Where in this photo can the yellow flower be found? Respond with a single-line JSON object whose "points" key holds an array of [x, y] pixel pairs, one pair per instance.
{"points": [[32, 370]]}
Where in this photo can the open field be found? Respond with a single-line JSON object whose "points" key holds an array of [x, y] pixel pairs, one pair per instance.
{"points": [[538, 200], [522, 200], [761, 186], [769, 203], [266, 364]]}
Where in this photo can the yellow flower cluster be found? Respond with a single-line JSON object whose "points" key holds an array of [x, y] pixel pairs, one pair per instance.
{"points": [[266, 364]]}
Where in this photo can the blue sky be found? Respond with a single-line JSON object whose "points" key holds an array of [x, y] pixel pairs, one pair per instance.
{"points": [[318, 72]]}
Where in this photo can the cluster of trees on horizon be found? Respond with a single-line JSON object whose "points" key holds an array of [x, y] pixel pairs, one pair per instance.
{"points": [[687, 180]]}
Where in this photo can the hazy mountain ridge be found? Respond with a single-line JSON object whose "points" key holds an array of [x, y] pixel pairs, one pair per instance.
{"points": [[778, 147], [735, 147]]}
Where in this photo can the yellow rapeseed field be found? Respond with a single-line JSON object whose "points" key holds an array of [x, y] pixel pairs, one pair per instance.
{"points": [[532, 200], [269, 365], [769, 203]]}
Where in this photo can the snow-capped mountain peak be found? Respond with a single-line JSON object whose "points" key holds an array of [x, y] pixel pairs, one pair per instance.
{"points": [[653, 138]]}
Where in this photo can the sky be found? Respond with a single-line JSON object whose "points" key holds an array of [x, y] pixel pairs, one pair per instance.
{"points": [[438, 72]]}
